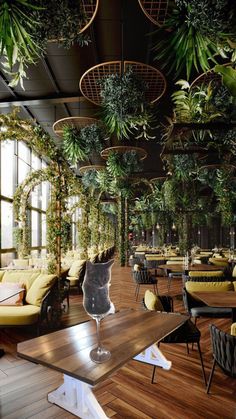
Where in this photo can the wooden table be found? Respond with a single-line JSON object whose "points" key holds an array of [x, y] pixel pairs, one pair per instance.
{"points": [[195, 267], [127, 334], [219, 299]]}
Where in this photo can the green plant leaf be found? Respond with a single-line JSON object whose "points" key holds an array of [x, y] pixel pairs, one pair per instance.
{"points": [[228, 77]]}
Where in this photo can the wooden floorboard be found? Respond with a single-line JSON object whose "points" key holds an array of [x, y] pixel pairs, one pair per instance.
{"points": [[176, 394]]}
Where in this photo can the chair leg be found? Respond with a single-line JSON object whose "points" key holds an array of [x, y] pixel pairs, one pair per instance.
{"points": [[187, 348], [138, 286], [203, 369], [153, 373], [169, 283], [211, 376]]}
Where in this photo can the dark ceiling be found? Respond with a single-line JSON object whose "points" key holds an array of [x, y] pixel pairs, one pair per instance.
{"points": [[119, 32]]}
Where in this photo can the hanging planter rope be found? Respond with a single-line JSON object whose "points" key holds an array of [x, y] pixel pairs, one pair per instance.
{"points": [[154, 79], [155, 10]]}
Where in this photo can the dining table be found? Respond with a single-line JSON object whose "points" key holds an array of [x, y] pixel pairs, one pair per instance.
{"points": [[224, 299], [190, 267], [128, 334]]}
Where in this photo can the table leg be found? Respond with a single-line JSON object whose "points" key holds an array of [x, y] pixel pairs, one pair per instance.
{"points": [[77, 397], [233, 315], [154, 356]]}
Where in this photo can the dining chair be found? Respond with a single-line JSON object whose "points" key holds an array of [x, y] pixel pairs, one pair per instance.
{"points": [[223, 348], [187, 333], [143, 277]]}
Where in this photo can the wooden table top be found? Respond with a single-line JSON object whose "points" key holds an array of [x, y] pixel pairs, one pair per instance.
{"points": [[217, 299], [126, 334], [195, 267]]}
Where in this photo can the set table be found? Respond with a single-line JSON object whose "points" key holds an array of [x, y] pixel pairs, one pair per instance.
{"points": [[225, 299], [195, 267], [128, 334]]}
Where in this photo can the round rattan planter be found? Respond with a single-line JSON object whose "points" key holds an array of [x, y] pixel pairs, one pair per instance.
{"points": [[90, 87], [74, 121], [123, 149], [155, 10], [96, 167]]}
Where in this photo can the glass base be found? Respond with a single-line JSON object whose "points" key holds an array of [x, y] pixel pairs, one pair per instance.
{"points": [[100, 355]]}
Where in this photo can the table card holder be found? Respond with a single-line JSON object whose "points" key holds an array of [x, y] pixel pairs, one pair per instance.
{"points": [[97, 303]]}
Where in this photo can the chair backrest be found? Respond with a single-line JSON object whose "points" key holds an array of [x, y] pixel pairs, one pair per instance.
{"points": [[153, 264], [219, 262], [224, 347], [233, 329], [206, 274], [175, 262], [142, 276]]}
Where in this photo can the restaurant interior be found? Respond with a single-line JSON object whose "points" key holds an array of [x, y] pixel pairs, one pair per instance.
{"points": [[118, 209]]}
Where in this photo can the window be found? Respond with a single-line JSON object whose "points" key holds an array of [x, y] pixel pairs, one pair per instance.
{"points": [[7, 168], [6, 225]]}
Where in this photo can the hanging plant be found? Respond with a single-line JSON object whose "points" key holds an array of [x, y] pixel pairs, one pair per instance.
{"points": [[89, 179], [121, 165], [124, 108], [61, 23], [78, 144], [196, 32]]}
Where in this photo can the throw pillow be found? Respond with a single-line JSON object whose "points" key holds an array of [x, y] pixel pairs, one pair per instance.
{"points": [[152, 301], [11, 294], [77, 267]]}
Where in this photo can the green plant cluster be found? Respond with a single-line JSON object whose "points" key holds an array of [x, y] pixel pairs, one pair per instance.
{"points": [[78, 144], [197, 33], [89, 179], [120, 165], [27, 26], [124, 107]]}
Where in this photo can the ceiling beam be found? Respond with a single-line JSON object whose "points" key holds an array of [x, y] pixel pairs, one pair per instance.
{"points": [[50, 99]]}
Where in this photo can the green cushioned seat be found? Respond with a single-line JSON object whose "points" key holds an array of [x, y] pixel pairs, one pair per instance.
{"points": [[19, 315]]}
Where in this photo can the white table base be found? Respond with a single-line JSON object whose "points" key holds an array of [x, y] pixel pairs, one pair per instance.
{"points": [[77, 397]]}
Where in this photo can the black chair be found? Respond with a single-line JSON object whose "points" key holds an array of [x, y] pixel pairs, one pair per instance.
{"points": [[196, 308], [143, 277], [224, 350], [153, 264], [187, 333]]}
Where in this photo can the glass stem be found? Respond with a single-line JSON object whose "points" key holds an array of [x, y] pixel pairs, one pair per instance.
{"points": [[98, 332]]}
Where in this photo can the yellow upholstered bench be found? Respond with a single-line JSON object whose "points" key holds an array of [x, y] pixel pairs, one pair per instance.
{"points": [[192, 287], [34, 309], [193, 274]]}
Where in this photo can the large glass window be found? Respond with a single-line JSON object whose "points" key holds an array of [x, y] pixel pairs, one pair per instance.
{"points": [[35, 232], [6, 225], [7, 168]]}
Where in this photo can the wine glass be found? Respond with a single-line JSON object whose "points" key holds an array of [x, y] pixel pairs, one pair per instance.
{"points": [[97, 304]]}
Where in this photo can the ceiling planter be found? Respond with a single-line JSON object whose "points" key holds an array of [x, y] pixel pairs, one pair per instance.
{"points": [[155, 10], [91, 89], [90, 8], [73, 121], [96, 167]]}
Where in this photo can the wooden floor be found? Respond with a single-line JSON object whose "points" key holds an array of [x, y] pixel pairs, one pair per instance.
{"points": [[176, 394]]}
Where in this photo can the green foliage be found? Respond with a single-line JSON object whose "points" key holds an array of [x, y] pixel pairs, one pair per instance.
{"points": [[183, 167], [80, 143], [17, 42], [228, 77], [198, 32], [89, 179], [124, 105], [61, 22], [199, 103], [122, 165], [104, 180]]}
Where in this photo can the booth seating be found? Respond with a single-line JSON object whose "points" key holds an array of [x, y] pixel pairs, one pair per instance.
{"points": [[197, 308], [33, 308], [76, 273], [204, 276], [219, 261]]}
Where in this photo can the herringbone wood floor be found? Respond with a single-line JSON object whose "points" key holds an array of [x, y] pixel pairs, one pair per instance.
{"points": [[177, 394]]}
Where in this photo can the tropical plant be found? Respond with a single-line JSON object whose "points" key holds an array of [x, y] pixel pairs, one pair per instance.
{"points": [[124, 108], [121, 165], [79, 143], [89, 179], [196, 32], [18, 44]]}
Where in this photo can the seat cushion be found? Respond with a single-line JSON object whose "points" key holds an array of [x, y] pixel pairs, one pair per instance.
{"points": [[152, 302], [24, 277], [74, 280], [77, 267], [39, 289], [233, 329], [211, 312], [206, 273], [19, 315], [192, 287]]}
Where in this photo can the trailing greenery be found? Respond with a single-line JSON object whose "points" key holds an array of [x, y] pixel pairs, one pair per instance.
{"points": [[196, 33], [78, 143], [121, 165], [89, 179], [27, 26], [124, 107]]}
